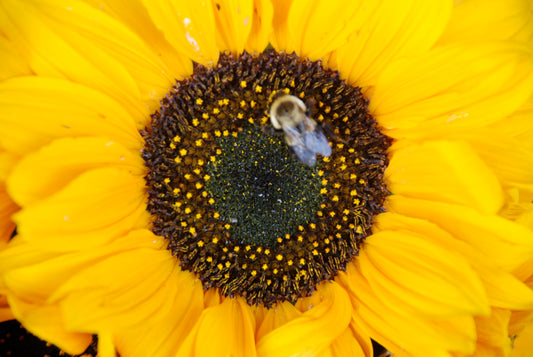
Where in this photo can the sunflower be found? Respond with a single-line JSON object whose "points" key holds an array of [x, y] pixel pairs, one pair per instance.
{"points": [[158, 208]]}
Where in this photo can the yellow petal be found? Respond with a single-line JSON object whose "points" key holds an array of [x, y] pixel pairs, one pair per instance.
{"points": [[524, 343], [509, 158], [386, 30], [178, 307], [234, 23], [11, 64], [7, 209], [313, 28], [77, 42], [518, 125], [502, 288], [188, 25], [63, 160], [223, 330], [276, 317], [36, 110], [92, 209], [474, 20], [261, 26], [314, 330], [506, 243], [419, 277], [46, 322], [452, 88], [347, 345], [444, 171], [5, 312], [135, 16], [492, 334], [393, 327]]}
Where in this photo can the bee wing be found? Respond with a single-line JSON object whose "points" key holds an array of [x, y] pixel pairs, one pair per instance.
{"points": [[305, 155], [317, 141]]}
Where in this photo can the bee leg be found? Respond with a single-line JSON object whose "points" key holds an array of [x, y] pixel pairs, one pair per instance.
{"points": [[328, 130]]}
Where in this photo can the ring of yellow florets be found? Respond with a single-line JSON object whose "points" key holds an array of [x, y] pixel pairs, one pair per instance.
{"points": [[193, 178]]}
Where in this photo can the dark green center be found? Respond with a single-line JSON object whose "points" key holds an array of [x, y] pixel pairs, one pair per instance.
{"points": [[260, 189]]}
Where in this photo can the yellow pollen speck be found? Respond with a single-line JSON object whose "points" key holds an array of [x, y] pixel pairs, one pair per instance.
{"points": [[240, 115], [225, 133], [337, 185], [212, 158], [177, 159], [166, 180], [280, 239], [315, 244], [183, 152], [183, 224], [199, 185], [199, 101], [207, 177], [211, 201], [234, 134], [302, 261], [205, 115], [323, 190], [197, 171], [258, 89], [214, 240], [340, 145], [300, 228], [353, 193], [312, 225], [216, 215], [267, 251], [353, 176], [227, 226], [236, 248], [315, 252], [254, 273], [176, 191], [259, 249], [290, 262], [242, 103], [332, 214], [187, 176], [218, 133], [302, 95], [198, 215], [338, 235], [172, 146], [220, 266], [359, 230], [247, 248], [335, 198], [243, 84], [252, 103], [275, 271], [345, 119], [216, 110], [357, 161], [204, 194], [321, 117], [319, 213], [201, 162], [320, 173], [264, 267], [219, 152], [177, 138], [228, 264], [252, 256], [338, 226], [327, 250], [251, 120], [327, 109], [209, 259], [285, 278], [195, 122], [177, 204], [279, 257], [192, 230], [244, 266], [199, 142], [187, 210], [362, 182], [356, 202], [300, 239], [200, 244], [324, 182], [287, 236], [326, 241]]}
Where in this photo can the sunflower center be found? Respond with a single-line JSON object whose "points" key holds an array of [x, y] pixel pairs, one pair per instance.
{"points": [[258, 206], [260, 189]]}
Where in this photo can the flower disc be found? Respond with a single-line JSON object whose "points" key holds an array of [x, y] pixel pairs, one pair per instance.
{"points": [[238, 208]]}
